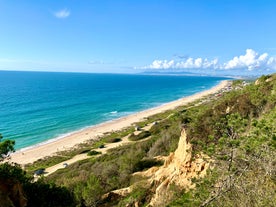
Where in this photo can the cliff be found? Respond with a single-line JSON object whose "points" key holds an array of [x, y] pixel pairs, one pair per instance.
{"points": [[178, 170]]}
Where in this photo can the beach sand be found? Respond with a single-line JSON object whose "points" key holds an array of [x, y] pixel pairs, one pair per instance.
{"points": [[38, 152]]}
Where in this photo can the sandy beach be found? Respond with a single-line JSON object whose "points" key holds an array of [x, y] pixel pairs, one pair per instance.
{"points": [[32, 154]]}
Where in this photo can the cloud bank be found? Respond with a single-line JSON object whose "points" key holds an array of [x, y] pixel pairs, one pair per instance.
{"points": [[251, 60], [62, 14]]}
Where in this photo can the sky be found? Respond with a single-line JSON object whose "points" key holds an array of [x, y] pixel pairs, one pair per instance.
{"points": [[117, 36]]}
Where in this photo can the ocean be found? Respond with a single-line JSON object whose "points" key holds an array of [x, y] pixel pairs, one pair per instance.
{"points": [[39, 106]]}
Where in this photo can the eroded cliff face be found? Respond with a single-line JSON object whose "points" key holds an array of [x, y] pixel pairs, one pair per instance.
{"points": [[178, 170]]}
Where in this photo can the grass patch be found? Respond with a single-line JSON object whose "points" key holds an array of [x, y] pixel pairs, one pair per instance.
{"points": [[44, 163]]}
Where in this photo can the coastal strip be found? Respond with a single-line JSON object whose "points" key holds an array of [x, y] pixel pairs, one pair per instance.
{"points": [[32, 154]]}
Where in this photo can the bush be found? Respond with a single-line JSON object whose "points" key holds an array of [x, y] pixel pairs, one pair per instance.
{"points": [[93, 152], [142, 135], [38, 193], [146, 164], [84, 151], [101, 146], [113, 140], [166, 144]]}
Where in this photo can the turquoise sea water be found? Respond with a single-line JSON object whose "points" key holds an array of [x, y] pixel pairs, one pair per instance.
{"points": [[38, 106]]}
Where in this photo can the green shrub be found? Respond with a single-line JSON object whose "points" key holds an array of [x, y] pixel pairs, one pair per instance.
{"points": [[142, 135], [38, 193], [84, 151], [113, 140], [93, 152], [147, 163]]}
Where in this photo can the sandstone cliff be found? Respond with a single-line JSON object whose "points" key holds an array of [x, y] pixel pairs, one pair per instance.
{"points": [[178, 170]]}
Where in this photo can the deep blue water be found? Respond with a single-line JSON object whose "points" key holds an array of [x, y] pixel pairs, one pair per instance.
{"points": [[38, 106]]}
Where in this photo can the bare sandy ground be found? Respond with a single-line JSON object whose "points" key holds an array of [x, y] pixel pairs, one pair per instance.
{"points": [[104, 150], [34, 153]]}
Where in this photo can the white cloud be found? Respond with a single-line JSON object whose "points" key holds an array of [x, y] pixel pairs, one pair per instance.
{"points": [[162, 64], [188, 63], [62, 14], [251, 60]]}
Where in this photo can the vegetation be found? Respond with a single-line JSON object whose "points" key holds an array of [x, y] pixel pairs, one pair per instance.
{"points": [[93, 152], [142, 135], [237, 131], [113, 140], [6, 147], [18, 189], [82, 148]]}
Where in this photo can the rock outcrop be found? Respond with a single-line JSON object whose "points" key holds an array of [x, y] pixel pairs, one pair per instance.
{"points": [[179, 168]]}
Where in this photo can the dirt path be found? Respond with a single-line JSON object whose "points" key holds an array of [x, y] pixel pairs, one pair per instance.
{"points": [[125, 140]]}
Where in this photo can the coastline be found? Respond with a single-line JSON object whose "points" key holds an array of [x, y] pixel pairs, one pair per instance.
{"points": [[67, 142]]}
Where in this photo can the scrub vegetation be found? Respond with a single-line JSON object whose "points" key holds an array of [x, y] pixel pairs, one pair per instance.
{"points": [[236, 130]]}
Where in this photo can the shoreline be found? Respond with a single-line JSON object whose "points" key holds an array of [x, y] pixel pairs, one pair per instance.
{"points": [[67, 142]]}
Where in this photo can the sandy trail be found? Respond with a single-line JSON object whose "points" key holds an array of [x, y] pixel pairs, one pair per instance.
{"points": [[66, 143], [104, 150]]}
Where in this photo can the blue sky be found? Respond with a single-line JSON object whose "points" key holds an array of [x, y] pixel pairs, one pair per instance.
{"points": [[136, 35]]}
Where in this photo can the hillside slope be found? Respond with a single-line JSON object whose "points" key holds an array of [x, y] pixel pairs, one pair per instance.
{"points": [[227, 157], [219, 151], [236, 137]]}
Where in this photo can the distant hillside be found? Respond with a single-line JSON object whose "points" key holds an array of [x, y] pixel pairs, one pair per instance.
{"points": [[203, 72], [158, 72]]}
